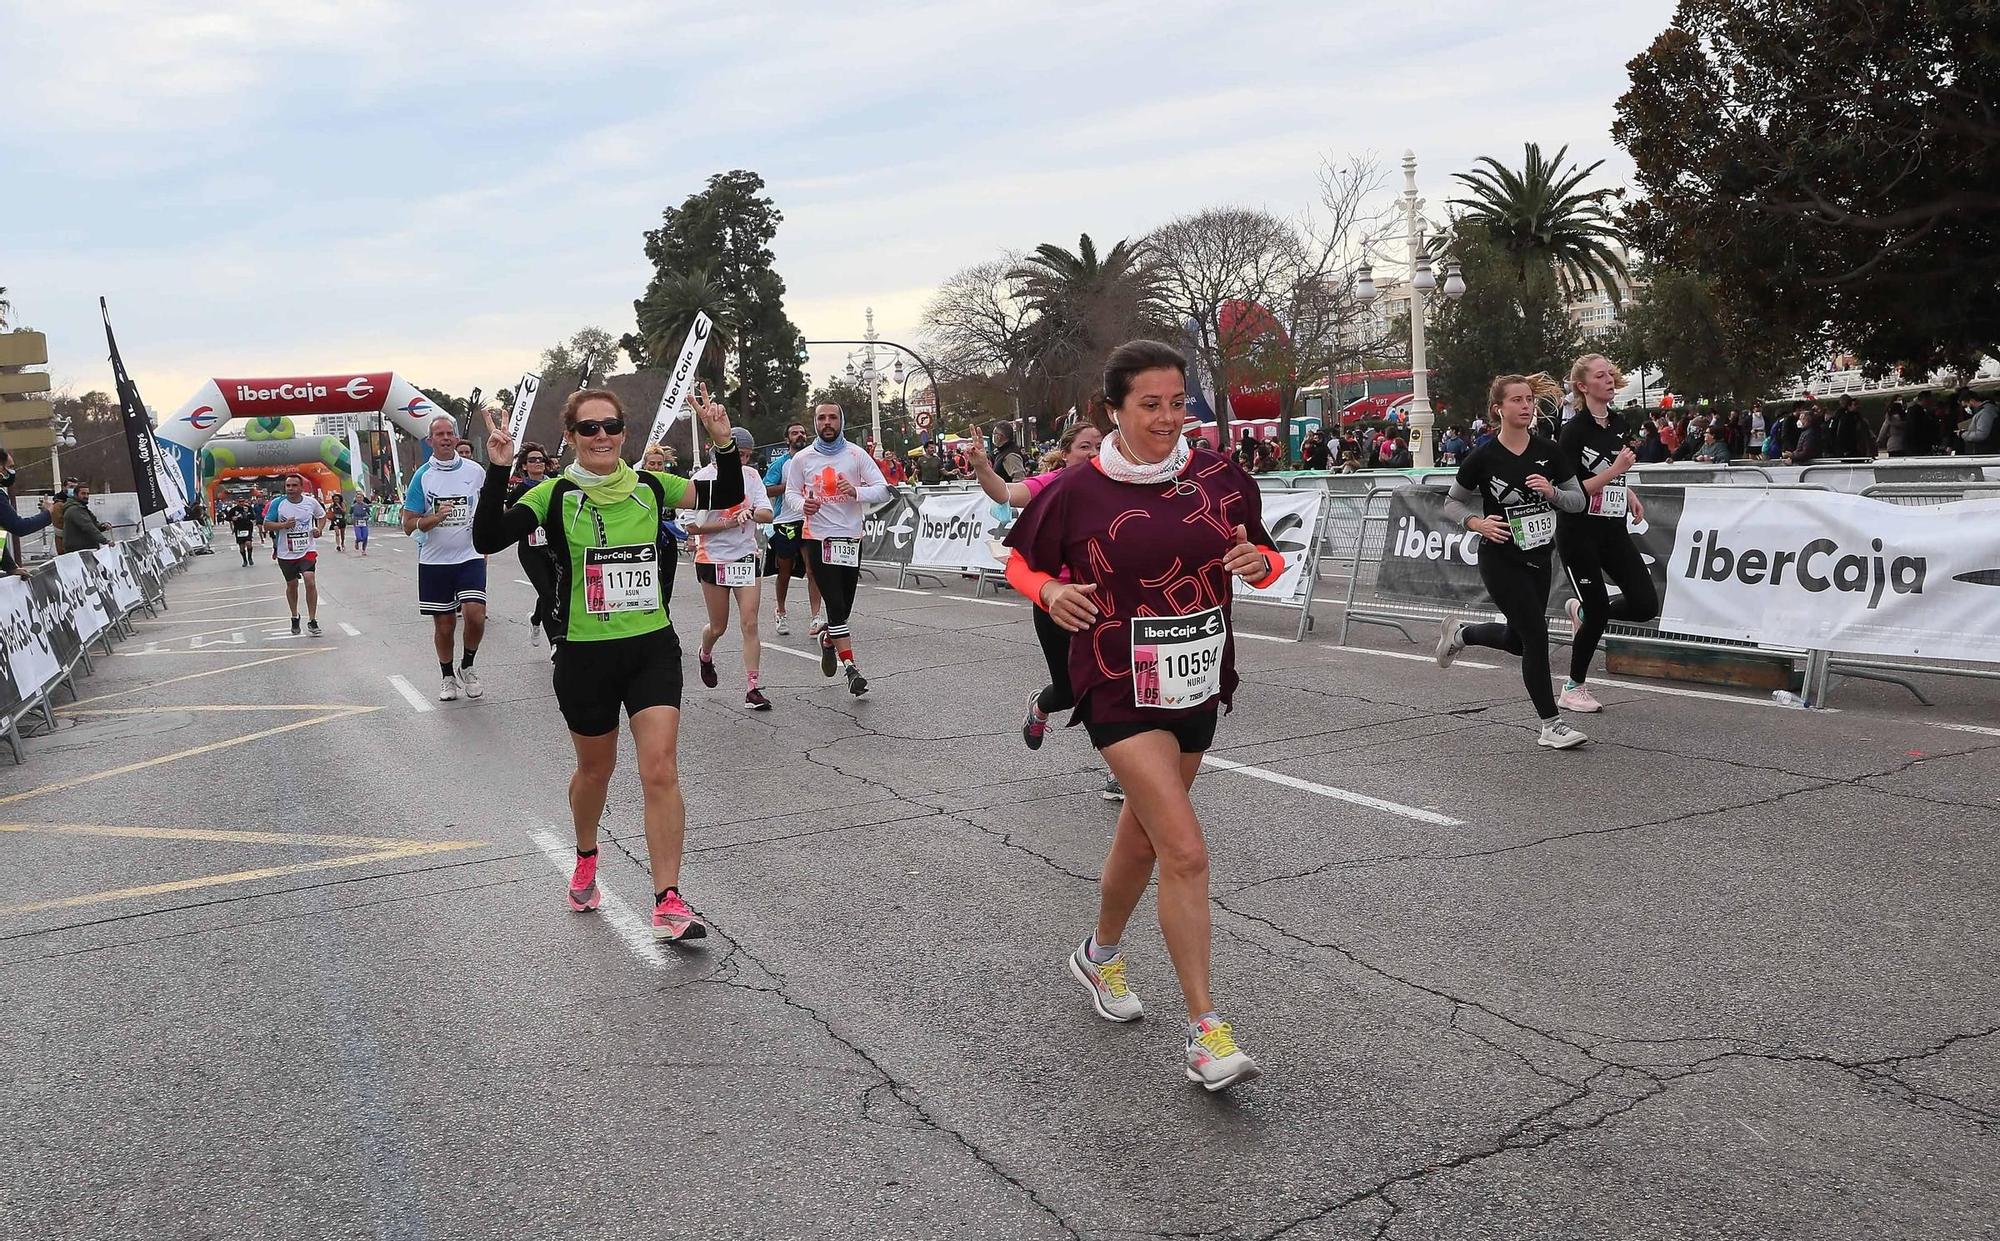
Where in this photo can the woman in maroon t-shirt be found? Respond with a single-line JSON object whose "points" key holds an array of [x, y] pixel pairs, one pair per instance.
{"points": [[1152, 532]]}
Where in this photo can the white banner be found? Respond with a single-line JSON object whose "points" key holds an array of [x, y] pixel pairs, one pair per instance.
{"points": [[680, 380], [1292, 518], [31, 659], [954, 531], [1836, 572], [79, 597], [524, 403]]}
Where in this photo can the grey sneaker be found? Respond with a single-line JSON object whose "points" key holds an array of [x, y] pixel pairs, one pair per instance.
{"points": [[450, 691], [1114, 791], [1109, 994], [1451, 641], [1557, 735], [784, 624], [1214, 1061], [470, 680]]}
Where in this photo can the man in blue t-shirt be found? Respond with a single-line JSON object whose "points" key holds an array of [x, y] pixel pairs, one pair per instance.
{"points": [[787, 557]]}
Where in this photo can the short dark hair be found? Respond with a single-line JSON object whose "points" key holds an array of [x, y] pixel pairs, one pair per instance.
{"points": [[295, 474], [1132, 357]]}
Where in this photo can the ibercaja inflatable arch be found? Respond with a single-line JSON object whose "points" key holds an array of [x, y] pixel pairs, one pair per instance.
{"points": [[348, 392]]}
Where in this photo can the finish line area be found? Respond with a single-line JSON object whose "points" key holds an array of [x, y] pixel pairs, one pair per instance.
{"points": [[287, 953]]}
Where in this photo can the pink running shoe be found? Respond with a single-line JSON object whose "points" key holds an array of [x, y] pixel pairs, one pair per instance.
{"points": [[673, 920], [1579, 699], [583, 885]]}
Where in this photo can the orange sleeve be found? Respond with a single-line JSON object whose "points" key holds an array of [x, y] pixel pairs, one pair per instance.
{"points": [[1277, 563], [1026, 579]]}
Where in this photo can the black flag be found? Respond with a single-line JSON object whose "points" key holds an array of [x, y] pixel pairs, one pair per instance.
{"points": [[138, 431]]}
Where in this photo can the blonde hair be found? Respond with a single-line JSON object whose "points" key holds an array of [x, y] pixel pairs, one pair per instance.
{"points": [[1055, 458], [1581, 370]]}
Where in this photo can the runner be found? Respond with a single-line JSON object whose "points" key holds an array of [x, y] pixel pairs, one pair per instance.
{"points": [[359, 509], [1597, 543], [618, 644], [835, 483], [1519, 480], [1152, 533], [336, 516], [725, 563], [297, 520], [1077, 446], [786, 558], [243, 520], [451, 574], [659, 459], [536, 560]]}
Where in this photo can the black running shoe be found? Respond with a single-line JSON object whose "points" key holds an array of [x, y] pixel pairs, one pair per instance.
{"points": [[295, 626], [827, 660], [312, 627], [707, 667], [857, 684]]}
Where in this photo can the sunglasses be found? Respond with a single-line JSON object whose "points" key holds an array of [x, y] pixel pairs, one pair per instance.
{"points": [[591, 427], [535, 460]]}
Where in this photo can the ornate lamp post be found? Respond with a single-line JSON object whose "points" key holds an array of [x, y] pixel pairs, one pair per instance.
{"points": [[1423, 421]]}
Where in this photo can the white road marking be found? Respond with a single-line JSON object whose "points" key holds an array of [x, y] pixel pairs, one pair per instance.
{"points": [[1741, 700], [1262, 637], [1967, 728], [636, 931], [1327, 790], [904, 590], [349, 630], [524, 581], [899, 590], [782, 649], [410, 695], [1413, 656]]}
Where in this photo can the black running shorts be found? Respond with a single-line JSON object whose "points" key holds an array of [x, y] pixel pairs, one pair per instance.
{"points": [[1194, 730], [594, 679]]}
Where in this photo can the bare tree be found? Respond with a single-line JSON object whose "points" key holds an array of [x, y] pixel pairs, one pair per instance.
{"points": [[974, 322], [1328, 326], [1216, 257]]}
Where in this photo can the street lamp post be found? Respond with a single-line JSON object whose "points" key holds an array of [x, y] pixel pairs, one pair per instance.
{"points": [[869, 375], [1422, 420]]}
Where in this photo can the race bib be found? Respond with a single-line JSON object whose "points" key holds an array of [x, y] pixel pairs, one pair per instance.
{"points": [[1177, 660], [538, 537], [1610, 501], [457, 512], [296, 541], [841, 553], [736, 573], [1531, 525], [621, 579]]}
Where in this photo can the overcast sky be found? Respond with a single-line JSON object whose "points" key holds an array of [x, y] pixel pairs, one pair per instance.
{"points": [[446, 189]]}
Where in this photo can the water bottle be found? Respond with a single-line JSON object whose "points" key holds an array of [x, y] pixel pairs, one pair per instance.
{"points": [[1786, 698]]}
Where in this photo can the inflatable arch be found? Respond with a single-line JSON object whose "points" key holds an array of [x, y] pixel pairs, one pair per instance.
{"points": [[349, 393], [274, 446]]}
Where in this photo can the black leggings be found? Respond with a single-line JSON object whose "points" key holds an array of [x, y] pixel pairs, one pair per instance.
{"points": [[1521, 591], [541, 570], [837, 587], [1057, 695], [1590, 556]]}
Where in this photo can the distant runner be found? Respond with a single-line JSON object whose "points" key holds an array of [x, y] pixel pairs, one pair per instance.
{"points": [[297, 520], [451, 575]]}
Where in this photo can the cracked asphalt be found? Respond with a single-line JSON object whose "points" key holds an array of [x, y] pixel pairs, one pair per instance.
{"points": [[283, 958]]}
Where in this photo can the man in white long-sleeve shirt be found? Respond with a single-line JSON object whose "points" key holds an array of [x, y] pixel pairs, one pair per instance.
{"points": [[834, 483]]}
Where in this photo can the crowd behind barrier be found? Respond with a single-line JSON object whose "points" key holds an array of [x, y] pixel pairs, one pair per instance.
{"points": [[51, 619], [1339, 534]]}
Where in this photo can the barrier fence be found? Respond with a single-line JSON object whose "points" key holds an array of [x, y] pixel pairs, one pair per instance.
{"points": [[52, 619]]}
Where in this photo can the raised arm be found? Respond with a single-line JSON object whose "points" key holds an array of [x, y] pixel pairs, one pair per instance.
{"points": [[996, 488], [496, 524]]}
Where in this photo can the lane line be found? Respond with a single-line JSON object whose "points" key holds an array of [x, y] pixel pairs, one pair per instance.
{"points": [[1981, 729], [196, 676], [900, 590], [524, 581], [210, 620], [1739, 700], [904, 590], [1410, 655], [782, 649], [196, 751], [142, 832], [401, 685], [349, 630], [206, 706], [1262, 637], [637, 932], [1327, 790]]}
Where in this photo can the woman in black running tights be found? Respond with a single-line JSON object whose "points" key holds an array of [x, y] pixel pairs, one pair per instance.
{"points": [[1508, 491], [1596, 544], [536, 560]]}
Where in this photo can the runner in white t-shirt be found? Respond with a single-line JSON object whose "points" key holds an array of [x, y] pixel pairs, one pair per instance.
{"points": [[451, 575], [297, 520], [725, 563]]}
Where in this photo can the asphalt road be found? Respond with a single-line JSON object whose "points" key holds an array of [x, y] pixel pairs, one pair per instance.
{"points": [[284, 956]]}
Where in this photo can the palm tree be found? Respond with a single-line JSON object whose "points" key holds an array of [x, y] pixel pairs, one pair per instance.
{"points": [[666, 313], [6, 307], [1080, 307], [1545, 222]]}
